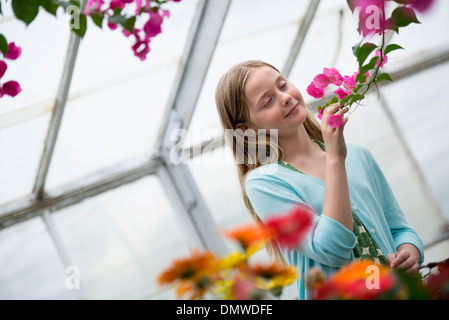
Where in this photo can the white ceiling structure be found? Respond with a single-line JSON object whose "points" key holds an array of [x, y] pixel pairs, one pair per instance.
{"points": [[87, 177]]}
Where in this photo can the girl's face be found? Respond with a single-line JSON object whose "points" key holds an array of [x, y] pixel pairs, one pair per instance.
{"points": [[273, 102]]}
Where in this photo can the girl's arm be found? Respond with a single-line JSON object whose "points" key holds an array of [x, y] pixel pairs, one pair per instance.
{"points": [[337, 204]]}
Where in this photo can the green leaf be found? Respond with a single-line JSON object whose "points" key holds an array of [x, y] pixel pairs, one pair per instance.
{"points": [[334, 100], [50, 6], [118, 19], [364, 51], [79, 28], [3, 45], [384, 76], [356, 47], [403, 16], [25, 10], [97, 18], [129, 24], [355, 98], [392, 47], [346, 99]]}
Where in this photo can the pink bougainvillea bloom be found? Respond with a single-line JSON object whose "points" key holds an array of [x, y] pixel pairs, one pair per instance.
{"points": [[421, 5], [10, 88], [153, 26], [290, 229], [384, 59], [314, 91], [93, 5], [334, 76], [3, 67], [349, 82], [335, 120], [341, 93], [112, 25], [14, 52], [371, 18], [322, 81], [320, 114], [141, 49]]}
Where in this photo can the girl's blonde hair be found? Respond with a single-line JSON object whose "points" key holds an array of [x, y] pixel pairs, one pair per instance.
{"points": [[233, 109]]}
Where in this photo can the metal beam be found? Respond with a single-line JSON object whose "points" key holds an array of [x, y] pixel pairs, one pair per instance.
{"points": [[198, 53], [55, 122], [77, 191], [300, 37]]}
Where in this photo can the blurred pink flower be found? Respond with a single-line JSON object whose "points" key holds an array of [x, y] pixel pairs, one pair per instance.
{"points": [[384, 59], [335, 120], [3, 67], [10, 88], [315, 91], [320, 114], [14, 52]]}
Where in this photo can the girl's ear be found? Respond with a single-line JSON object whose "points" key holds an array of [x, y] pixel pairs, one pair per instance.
{"points": [[241, 126]]}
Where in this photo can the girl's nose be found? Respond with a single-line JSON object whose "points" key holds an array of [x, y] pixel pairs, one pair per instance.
{"points": [[286, 98]]}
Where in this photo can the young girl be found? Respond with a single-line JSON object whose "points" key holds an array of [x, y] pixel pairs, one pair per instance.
{"points": [[357, 215]]}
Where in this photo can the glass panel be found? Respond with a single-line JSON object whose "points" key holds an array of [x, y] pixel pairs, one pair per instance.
{"points": [[109, 126], [117, 102], [370, 126], [31, 267], [121, 241], [419, 113], [21, 147], [264, 32], [38, 70]]}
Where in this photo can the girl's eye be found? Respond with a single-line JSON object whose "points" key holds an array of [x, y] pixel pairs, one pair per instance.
{"points": [[268, 102], [284, 85]]}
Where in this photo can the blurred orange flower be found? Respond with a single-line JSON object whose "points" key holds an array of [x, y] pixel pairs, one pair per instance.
{"points": [[194, 274], [249, 235], [359, 280]]}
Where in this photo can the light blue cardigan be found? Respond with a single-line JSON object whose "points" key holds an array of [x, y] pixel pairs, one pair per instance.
{"points": [[273, 189]]}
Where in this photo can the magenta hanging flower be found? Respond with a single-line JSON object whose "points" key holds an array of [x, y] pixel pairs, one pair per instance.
{"points": [[320, 114], [10, 88], [341, 93], [14, 52], [315, 91], [153, 26], [3, 67], [421, 5], [141, 49]]}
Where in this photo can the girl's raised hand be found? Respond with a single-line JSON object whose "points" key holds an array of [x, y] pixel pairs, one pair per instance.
{"points": [[333, 137]]}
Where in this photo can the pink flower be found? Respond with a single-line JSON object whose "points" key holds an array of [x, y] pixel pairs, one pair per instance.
{"points": [[384, 59], [335, 120], [421, 5], [3, 67], [290, 229], [141, 49], [112, 25], [349, 82], [153, 26], [341, 93], [10, 88], [320, 114], [334, 76], [322, 81], [14, 52], [315, 91], [371, 18]]}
